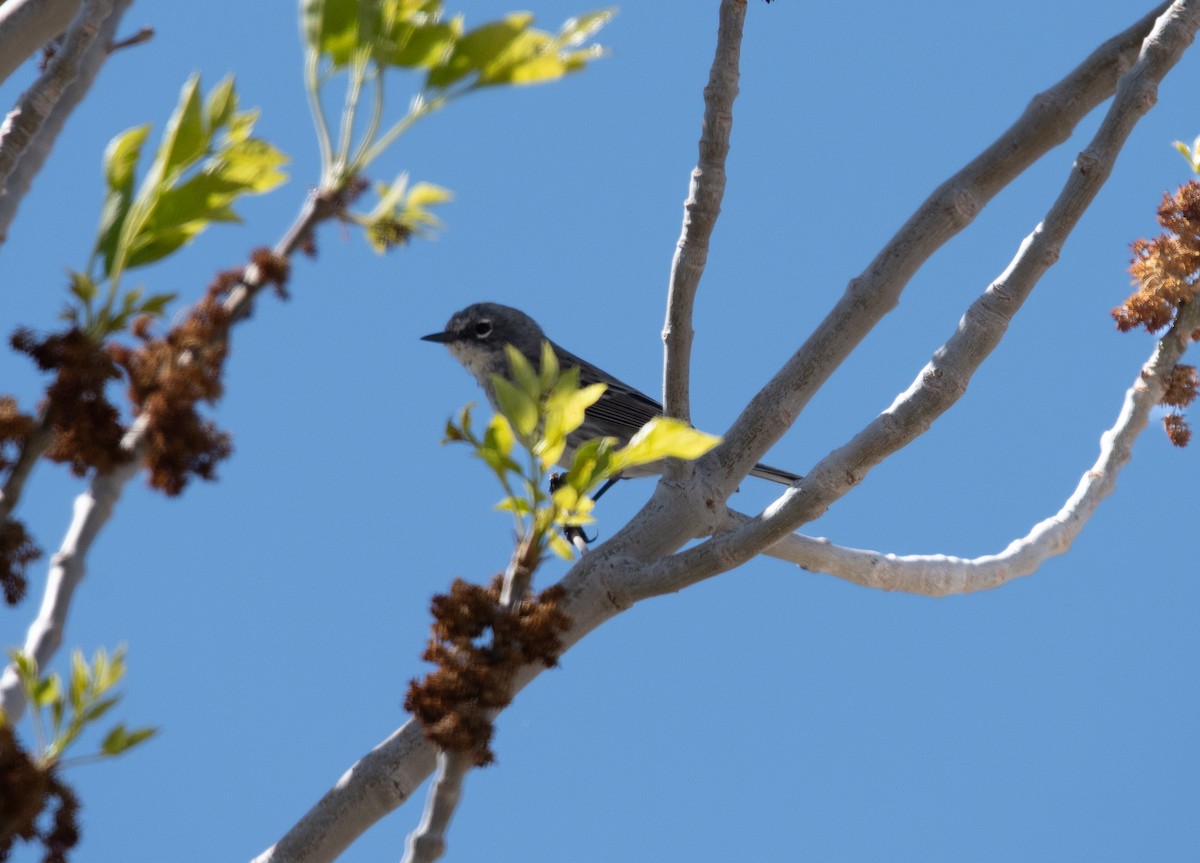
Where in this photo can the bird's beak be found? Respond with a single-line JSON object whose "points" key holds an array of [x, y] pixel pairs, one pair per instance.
{"points": [[440, 338]]}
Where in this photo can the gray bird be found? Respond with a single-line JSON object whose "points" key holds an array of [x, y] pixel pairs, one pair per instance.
{"points": [[477, 336]]}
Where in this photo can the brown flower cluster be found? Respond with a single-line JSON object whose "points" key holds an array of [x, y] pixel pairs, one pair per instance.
{"points": [[1165, 269], [167, 377], [17, 551], [1182, 386], [26, 790], [14, 429], [475, 674], [87, 428], [1167, 272]]}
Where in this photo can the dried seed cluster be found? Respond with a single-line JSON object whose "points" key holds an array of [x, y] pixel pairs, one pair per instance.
{"points": [[87, 428], [167, 377], [26, 790], [1166, 270], [475, 672]]}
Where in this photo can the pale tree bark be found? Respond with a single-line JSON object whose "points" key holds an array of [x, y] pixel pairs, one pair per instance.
{"points": [[944, 575], [27, 25], [644, 560], [32, 128]]}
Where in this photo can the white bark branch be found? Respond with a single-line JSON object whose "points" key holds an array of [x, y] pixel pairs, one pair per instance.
{"points": [[700, 212], [599, 586], [27, 25], [94, 507], [32, 127], [945, 378], [1046, 122], [944, 575], [388, 776]]}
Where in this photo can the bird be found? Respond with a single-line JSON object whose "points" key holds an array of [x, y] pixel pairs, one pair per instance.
{"points": [[476, 336]]}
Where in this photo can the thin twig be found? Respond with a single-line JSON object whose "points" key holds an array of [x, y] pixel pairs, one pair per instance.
{"points": [[144, 34]]}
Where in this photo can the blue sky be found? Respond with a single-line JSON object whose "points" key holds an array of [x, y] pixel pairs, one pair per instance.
{"points": [[274, 618]]}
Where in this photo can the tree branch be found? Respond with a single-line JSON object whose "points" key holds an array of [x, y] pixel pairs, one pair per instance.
{"points": [[598, 587], [1046, 122], [387, 777], [94, 507], [944, 379], [27, 25], [32, 127], [701, 209], [428, 842], [943, 575]]}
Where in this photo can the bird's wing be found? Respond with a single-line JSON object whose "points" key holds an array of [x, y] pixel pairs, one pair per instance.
{"points": [[622, 410]]}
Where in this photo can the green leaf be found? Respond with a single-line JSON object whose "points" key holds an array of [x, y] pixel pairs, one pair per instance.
{"points": [[336, 29], [561, 547], [478, 49], [499, 436], [221, 103], [27, 667], [120, 160], [572, 406], [120, 739], [523, 374], [550, 448], [186, 138], [427, 195], [46, 691], [121, 156], [592, 464], [548, 370], [518, 407], [251, 166], [664, 438], [80, 680], [415, 44], [517, 505], [156, 304], [172, 211], [1192, 153], [577, 30], [82, 286], [95, 711]]}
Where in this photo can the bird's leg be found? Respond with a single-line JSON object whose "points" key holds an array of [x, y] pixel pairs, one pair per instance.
{"points": [[574, 533], [609, 484]]}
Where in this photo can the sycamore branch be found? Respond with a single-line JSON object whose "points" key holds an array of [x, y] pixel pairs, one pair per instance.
{"points": [[944, 575], [599, 586], [1047, 122], [27, 25], [700, 211], [31, 129], [940, 384]]}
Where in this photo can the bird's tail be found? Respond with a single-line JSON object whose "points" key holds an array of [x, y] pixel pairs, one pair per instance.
{"points": [[774, 474]]}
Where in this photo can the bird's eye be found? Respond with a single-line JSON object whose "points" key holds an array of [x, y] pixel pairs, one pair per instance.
{"points": [[483, 329]]}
